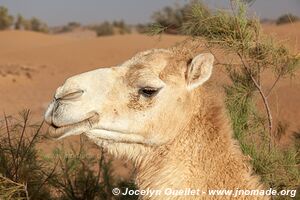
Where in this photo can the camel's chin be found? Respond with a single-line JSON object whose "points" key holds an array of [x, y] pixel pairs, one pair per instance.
{"points": [[114, 136]]}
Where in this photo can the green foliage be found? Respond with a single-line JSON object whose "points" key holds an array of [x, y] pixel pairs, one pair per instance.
{"points": [[287, 18], [79, 175], [76, 177], [6, 20], [103, 29], [155, 29], [68, 174], [239, 102], [171, 18], [10, 190], [107, 28], [19, 160], [34, 24], [278, 168]]}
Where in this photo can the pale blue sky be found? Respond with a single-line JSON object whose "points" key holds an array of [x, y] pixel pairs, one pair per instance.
{"points": [[59, 12]]}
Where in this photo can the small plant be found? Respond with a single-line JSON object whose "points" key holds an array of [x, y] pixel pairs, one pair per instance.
{"points": [[103, 29], [10, 190], [171, 18], [68, 28], [20, 22], [121, 27], [34, 24], [74, 24], [79, 175], [6, 20], [69, 174], [37, 25], [19, 162], [287, 18], [108, 28], [142, 28]]}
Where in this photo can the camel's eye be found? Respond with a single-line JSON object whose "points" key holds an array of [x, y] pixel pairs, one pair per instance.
{"points": [[149, 91]]}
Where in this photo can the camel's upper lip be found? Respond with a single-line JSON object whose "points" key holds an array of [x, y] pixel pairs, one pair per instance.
{"points": [[66, 130]]}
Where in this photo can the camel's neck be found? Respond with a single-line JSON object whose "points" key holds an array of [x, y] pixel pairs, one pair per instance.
{"points": [[201, 156]]}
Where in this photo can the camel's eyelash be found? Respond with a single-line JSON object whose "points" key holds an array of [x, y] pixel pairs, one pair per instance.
{"points": [[148, 91], [189, 61]]}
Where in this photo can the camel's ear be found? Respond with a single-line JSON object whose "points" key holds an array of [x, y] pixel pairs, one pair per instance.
{"points": [[199, 70]]}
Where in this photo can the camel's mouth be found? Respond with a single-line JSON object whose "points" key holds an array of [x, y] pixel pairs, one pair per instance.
{"points": [[59, 132]]}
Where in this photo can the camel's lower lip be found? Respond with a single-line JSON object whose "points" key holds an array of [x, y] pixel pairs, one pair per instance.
{"points": [[72, 129]]}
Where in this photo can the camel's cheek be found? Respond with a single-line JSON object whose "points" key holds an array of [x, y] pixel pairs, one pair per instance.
{"points": [[162, 125]]}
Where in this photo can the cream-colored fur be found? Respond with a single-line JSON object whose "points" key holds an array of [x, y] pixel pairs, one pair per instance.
{"points": [[179, 138]]}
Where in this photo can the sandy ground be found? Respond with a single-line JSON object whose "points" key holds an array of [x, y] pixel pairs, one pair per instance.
{"points": [[33, 65]]}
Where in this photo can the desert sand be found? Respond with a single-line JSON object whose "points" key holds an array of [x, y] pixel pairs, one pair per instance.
{"points": [[33, 65]]}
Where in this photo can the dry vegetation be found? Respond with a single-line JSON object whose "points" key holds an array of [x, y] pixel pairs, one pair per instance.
{"points": [[68, 174], [287, 18], [33, 24]]}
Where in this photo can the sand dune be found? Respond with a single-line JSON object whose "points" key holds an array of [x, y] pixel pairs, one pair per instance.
{"points": [[287, 33]]}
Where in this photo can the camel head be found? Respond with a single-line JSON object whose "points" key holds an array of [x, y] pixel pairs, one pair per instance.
{"points": [[144, 101]]}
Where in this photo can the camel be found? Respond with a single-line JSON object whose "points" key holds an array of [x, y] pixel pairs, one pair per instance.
{"points": [[156, 110]]}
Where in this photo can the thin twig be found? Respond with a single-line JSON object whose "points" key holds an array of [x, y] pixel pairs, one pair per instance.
{"points": [[9, 141], [31, 143], [46, 179], [274, 84], [263, 96], [19, 143]]}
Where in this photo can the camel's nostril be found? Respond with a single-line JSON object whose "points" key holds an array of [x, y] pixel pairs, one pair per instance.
{"points": [[70, 95]]}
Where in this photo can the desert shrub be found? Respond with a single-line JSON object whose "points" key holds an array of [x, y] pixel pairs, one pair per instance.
{"points": [[19, 162], [20, 22], [122, 27], [173, 18], [142, 28], [74, 24], [10, 190], [63, 29], [67, 174], [76, 177], [67, 28], [169, 17], [276, 166], [104, 29], [251, 55], [108, 28], [6, 20], [80, 175], [37, 25], [33, 24], [287, 18]]}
